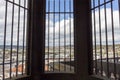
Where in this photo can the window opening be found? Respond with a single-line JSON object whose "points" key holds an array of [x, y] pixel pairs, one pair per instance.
{"points": [[59, 45], [106, 38], [13, 25]]}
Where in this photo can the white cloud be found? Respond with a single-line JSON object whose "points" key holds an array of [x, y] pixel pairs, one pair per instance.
{"points": [[64, 28], [9, 24], [116, 26]]}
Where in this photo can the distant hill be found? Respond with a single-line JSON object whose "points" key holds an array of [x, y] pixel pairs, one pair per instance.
{"points": [[8, 47], [61, 46]]}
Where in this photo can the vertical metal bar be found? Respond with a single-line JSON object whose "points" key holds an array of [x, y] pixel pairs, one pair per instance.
{"points": [[18, 38], [53, 35], [28, 38], [106, 39], [95, 63], [59, 38], [11, 40], [70, 32], [119, 10], [4, 45], [48, 32], [113, 40], [119, 23], [23, 52], [64, 35], [73, 35], [100, 37]]}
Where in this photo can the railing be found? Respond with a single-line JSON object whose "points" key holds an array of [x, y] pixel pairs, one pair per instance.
{"points": [[59, 33], [111, 69], [13, 20], [106, 37]]}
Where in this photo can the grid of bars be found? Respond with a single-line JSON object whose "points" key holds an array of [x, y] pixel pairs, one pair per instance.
{"points": [[13, 38], [106, 38], [59, 49]]}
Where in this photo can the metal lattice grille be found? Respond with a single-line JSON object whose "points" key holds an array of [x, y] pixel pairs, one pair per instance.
{"points": [[59, 50], [13, 20], [106, 38]]}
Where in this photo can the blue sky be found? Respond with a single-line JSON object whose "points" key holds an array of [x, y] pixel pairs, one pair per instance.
{"points": [[63, 20], [115, 3], [67, 4]]}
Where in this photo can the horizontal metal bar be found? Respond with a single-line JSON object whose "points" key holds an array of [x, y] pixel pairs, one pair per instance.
{"points": [[17, 4], [101, 4], [21, 77], [59, 12]]}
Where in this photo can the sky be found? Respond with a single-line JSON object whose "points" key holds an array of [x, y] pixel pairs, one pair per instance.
{"points": [[54, 23], [116, 23], [9, 23], [64, 21]]}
